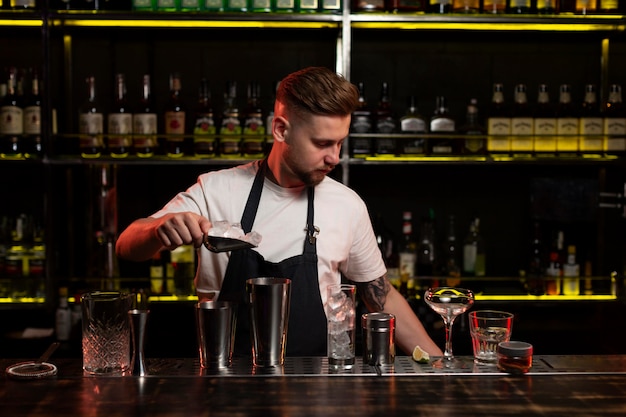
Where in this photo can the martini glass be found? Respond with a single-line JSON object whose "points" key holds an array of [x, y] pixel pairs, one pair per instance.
{"points": [[449, 302]]}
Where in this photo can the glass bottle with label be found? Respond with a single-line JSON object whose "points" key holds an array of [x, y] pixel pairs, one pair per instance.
{"points": [[285, 6], [554, 271], [498, 123], [331, 6], [119, 121], [407, 254], [368, 5], [586, 6], [544, 123], [385, 124], [440, 6], [91, 123], [412, 123], [230, 129], [466, 6], [253, 143], [204, 130], [174, 119], [167, 5], [426, 251], [608, 6], [519, 6], [474, 251], [308, 6], [614, 121], [494, 6], [145, 122], [11, 119], [442, 123], [548, 6], [361, 123], [566, 123], [473, 130], [522, 124], [591, 123], [260, 6], [571, 273], [412, 6], [32, 120]]}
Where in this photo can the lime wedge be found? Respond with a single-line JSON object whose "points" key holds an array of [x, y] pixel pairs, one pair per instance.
{"points": [[420, 355]]}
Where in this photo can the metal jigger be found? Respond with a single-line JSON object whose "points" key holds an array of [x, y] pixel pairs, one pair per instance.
{"points": [[138, 321]]}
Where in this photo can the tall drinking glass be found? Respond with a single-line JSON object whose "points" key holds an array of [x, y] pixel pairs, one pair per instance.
{"points": [[449, 302]]}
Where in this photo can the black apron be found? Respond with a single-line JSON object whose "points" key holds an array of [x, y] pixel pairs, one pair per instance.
{"points": [[306, 334]]}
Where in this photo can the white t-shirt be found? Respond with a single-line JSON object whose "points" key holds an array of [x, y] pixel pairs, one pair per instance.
{"points": [[345, 244]]}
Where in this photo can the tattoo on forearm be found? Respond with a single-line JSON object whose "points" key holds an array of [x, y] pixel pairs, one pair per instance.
{"points": [[374, 293]]}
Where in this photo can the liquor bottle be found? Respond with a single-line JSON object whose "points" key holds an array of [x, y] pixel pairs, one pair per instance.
{"points": [[63, 317], [204, 130], [144, 5], [591, 123], [554, 271], [285, 6], [190, 5], [586, 6], [519, 7], [23, 4], [388, 248], [566, 123], [474, 132], [361, 124], [412, 123], [167, 5], [11, 119], [368, 5], [544, 123], [260, 6], [16, 264], [230, 129], [440, 6], [567, 6], [307, 6], [119, 121], [571, 273], [91, 123], [32, 120], [331, 6], [412, 6], [548, 6], [522, 123], [494, 6], [174, 118], [442, 123], [474, 251], [608, 7], [269, 121], [614, 121], [466, 6], [385, 124], [408, 253], [451, 257], [498, 123], [253, 143], [145, 122], [536, 263]]}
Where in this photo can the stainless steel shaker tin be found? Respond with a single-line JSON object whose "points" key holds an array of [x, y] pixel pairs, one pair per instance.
{"points": [[379, 338]]}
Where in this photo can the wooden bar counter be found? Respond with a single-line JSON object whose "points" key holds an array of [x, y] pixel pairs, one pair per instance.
{"points": [[556, 386]]}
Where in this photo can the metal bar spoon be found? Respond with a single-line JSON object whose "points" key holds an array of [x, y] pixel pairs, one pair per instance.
{"points": [[46, 355]]}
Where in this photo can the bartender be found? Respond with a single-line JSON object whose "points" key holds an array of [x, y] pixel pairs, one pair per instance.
{"points": [[314, 229]]}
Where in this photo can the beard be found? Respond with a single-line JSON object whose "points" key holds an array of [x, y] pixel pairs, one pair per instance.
{"points": [[309, 178]]}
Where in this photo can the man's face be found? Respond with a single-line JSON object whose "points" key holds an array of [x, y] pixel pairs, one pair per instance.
{"points": [[314, 146]]}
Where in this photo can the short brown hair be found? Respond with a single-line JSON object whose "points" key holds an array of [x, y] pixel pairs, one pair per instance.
{"points": [[319, 91]]}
